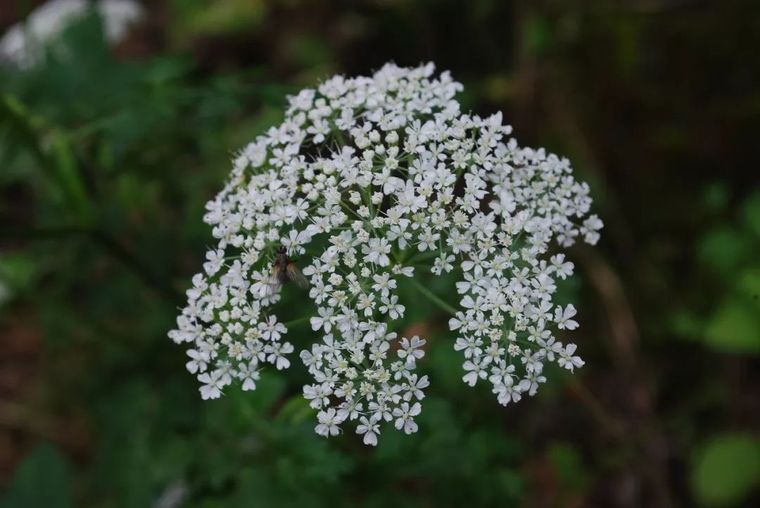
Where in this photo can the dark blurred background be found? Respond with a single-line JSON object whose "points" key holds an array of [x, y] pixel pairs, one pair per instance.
{"points": [[108, 153]]}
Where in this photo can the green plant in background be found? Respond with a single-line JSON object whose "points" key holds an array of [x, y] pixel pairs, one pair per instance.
{"points": [[726, 469], [727, 257], [103, 177]]}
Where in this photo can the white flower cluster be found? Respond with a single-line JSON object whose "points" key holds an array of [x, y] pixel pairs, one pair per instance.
{"points": [[24, 43], [366, 179]]}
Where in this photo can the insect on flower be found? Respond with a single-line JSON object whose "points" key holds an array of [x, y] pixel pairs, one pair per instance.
{"points": [[285, 270]]}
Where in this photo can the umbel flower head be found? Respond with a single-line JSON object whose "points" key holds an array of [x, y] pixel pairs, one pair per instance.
{"points": [[369, 181]]}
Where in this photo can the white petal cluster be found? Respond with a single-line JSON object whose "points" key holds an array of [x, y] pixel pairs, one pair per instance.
{"points": [[24, 43], [369, 181]]}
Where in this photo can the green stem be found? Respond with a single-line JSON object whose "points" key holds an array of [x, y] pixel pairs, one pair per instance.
{"points": [[55, 155], [433, 298], [297, 321]]}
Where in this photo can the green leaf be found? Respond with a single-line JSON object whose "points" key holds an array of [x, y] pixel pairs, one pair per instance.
{"points": [[751, 213], [17, 270], [568, 466], [54, 152], [723, 249], [41, 480], [749, 285], [222, 17], [734, 327], [726, 470]]}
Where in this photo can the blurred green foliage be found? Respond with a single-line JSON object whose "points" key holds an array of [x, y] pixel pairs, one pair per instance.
{"points": [[728, 258], [42, 479], [726, 469], [107, 156]]}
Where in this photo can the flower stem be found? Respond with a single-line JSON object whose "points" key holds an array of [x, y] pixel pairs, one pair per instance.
{"points": [[433, 298], [297, 321]]}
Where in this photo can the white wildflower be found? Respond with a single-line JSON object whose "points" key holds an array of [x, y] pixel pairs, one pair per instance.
{"points": [[370, 428], [365, 179], [329, 423]]}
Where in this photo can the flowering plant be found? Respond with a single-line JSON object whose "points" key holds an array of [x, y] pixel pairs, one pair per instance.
{"points": [[24, 43], [369, 181]]}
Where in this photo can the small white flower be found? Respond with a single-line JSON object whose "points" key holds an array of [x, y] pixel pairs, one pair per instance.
{"points": [[370, 428], [215, 259], [568, 360], [376, 251], [249, 374], [198, 361], [213, 383], [475, 371], [410, 349], [405, 414], [329, 423], [564, 317], [506, 393], [276, 354]]}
